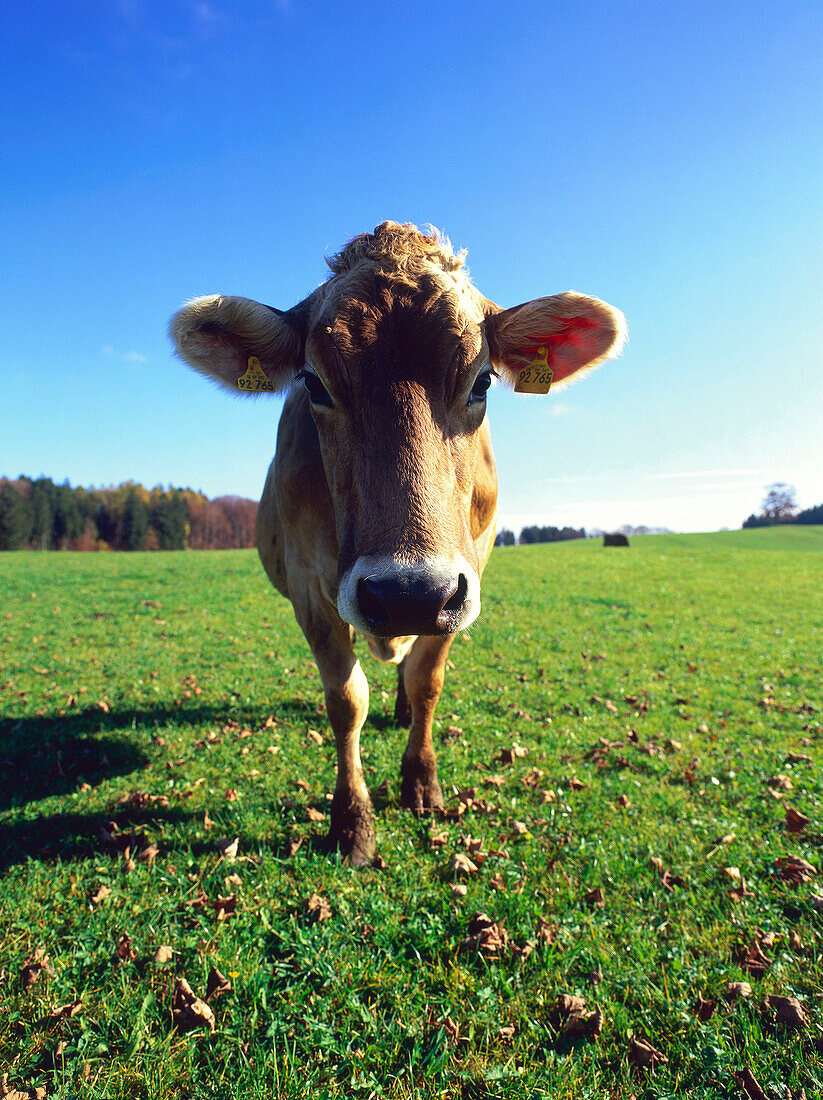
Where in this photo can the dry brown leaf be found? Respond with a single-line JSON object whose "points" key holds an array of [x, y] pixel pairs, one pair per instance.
{"points": [[595, 899], [732, 873], [508, 756], [496, 882], [188, 1011], [163, 954], [624, 801], [33, 967], [798, 758], [458, 889], [315, 736], [643, 1054], [549, 796], [207, 821], [737, 989], [66, 1011], [486, 936], [125, 951], [576, 785], [704, 1009], [795, 869], [746, 1080], [494, 780], [673, 746], [796, 821], [753, 959], [795, 941], [225, 907], [506, 1032], [228, 848], [97, 895], [148, 854], [462, 865], [438, 841], [217, 984], [318, 907], [315, 815], [546, 931], [790, 1012], [231, 795], [780, 783]]}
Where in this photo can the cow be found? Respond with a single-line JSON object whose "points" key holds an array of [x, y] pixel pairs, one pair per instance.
{"points": [[379, 511], [618, 539]]}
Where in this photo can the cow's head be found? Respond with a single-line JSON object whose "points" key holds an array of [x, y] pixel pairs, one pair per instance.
{"points": [[396, 352]]}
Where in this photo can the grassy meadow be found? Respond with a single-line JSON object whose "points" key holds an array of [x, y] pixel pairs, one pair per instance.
{"points": [[631, 744]]}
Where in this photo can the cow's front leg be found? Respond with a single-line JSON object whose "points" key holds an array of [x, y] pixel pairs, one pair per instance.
{"points": [[347, 704], [423, 672]]}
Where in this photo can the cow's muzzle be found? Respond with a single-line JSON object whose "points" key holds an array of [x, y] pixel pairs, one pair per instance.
{"points": [[387, 599]]}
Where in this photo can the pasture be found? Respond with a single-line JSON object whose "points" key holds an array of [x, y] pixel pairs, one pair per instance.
{"points": [[621, 735]]}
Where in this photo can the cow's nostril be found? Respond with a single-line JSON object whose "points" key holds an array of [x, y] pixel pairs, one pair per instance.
{"points": [[371, 606], [458, 597]]}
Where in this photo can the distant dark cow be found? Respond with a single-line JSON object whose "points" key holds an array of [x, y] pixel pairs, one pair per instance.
{"points": [[615, 540], [380, 507]]}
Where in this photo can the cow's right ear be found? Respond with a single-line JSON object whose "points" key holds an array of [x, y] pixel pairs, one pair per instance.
{"points": [[245, 346]]}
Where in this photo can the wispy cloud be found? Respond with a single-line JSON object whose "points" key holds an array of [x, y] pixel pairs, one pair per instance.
{"points": [[703, 475], [111, 352], [561, 408]]}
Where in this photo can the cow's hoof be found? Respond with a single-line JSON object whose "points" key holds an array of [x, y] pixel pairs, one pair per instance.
{"points": [[352, 830], [420, 791]]}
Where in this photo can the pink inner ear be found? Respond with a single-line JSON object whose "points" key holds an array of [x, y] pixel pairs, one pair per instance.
{"points": [[572, 344]]}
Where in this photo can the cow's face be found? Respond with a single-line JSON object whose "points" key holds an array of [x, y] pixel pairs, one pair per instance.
{"points": [[396, 356]]}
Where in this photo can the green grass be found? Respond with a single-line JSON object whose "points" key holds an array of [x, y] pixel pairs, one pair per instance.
{"points": [[116, 709]]}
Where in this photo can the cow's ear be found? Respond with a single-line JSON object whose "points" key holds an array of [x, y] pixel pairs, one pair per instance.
{"points": [[576, 332], [245, 346]]}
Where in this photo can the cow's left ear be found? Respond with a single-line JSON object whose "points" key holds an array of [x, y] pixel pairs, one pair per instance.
{"points": [[576, 332], [245, 346]]}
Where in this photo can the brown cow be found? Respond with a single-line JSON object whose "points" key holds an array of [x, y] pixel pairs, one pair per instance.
{"points": [[379, 510]]}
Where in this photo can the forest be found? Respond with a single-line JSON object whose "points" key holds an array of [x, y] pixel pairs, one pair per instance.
{"points": [[38, 514]]}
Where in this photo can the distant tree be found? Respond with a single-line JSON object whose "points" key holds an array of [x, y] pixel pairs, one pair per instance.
{"points": [[810, 515], [779, 503], [67, 524], [135, 521], [43, 497], [169, 516], [16, 519], [504, 537]]}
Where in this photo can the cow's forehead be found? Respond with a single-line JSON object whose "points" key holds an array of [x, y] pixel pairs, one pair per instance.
{"points": [[370, 313]]}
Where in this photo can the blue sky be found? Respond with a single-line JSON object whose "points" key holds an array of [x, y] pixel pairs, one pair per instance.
{"points": [[664, 156]]}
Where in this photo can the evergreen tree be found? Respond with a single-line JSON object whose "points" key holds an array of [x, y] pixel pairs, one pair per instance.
{"points": [[15, 518], [135, 521]]}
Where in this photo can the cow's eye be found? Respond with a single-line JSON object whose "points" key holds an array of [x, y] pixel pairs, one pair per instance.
{"points": [[318, 394], [478, 390]]}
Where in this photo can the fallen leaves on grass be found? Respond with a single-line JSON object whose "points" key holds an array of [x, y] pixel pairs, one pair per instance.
{"points": [[790, 1012], [795, 869], [623, 801], [753, 959], [486, 936], [125, 951], [796, 821], [315, 815], [746, 1080], [595, 899], [571, 1017], [99, 894], [462, 865], [508, 756], [704, 1009], [7, 1092], [737, 989], [66, 1011], [228, 848], [644, 1055], [188, 1011], [163, 954], [217, 984], [780, 783], [667, 880], [33, 967], [318, 907]]}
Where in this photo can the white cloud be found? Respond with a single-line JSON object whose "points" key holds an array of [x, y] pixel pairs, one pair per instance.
{"points": [[111, 352], [561, 408]]}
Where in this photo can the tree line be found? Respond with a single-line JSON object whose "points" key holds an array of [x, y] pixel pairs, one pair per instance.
{"points": [[780, 506], [37, 514], [532, 534]]}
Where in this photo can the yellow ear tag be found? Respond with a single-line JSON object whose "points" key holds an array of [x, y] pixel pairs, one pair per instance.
{"points": [[537, 376], [255, 380]]}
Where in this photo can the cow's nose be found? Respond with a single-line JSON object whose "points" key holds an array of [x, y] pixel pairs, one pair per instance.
{"points": [[398, 604]]}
